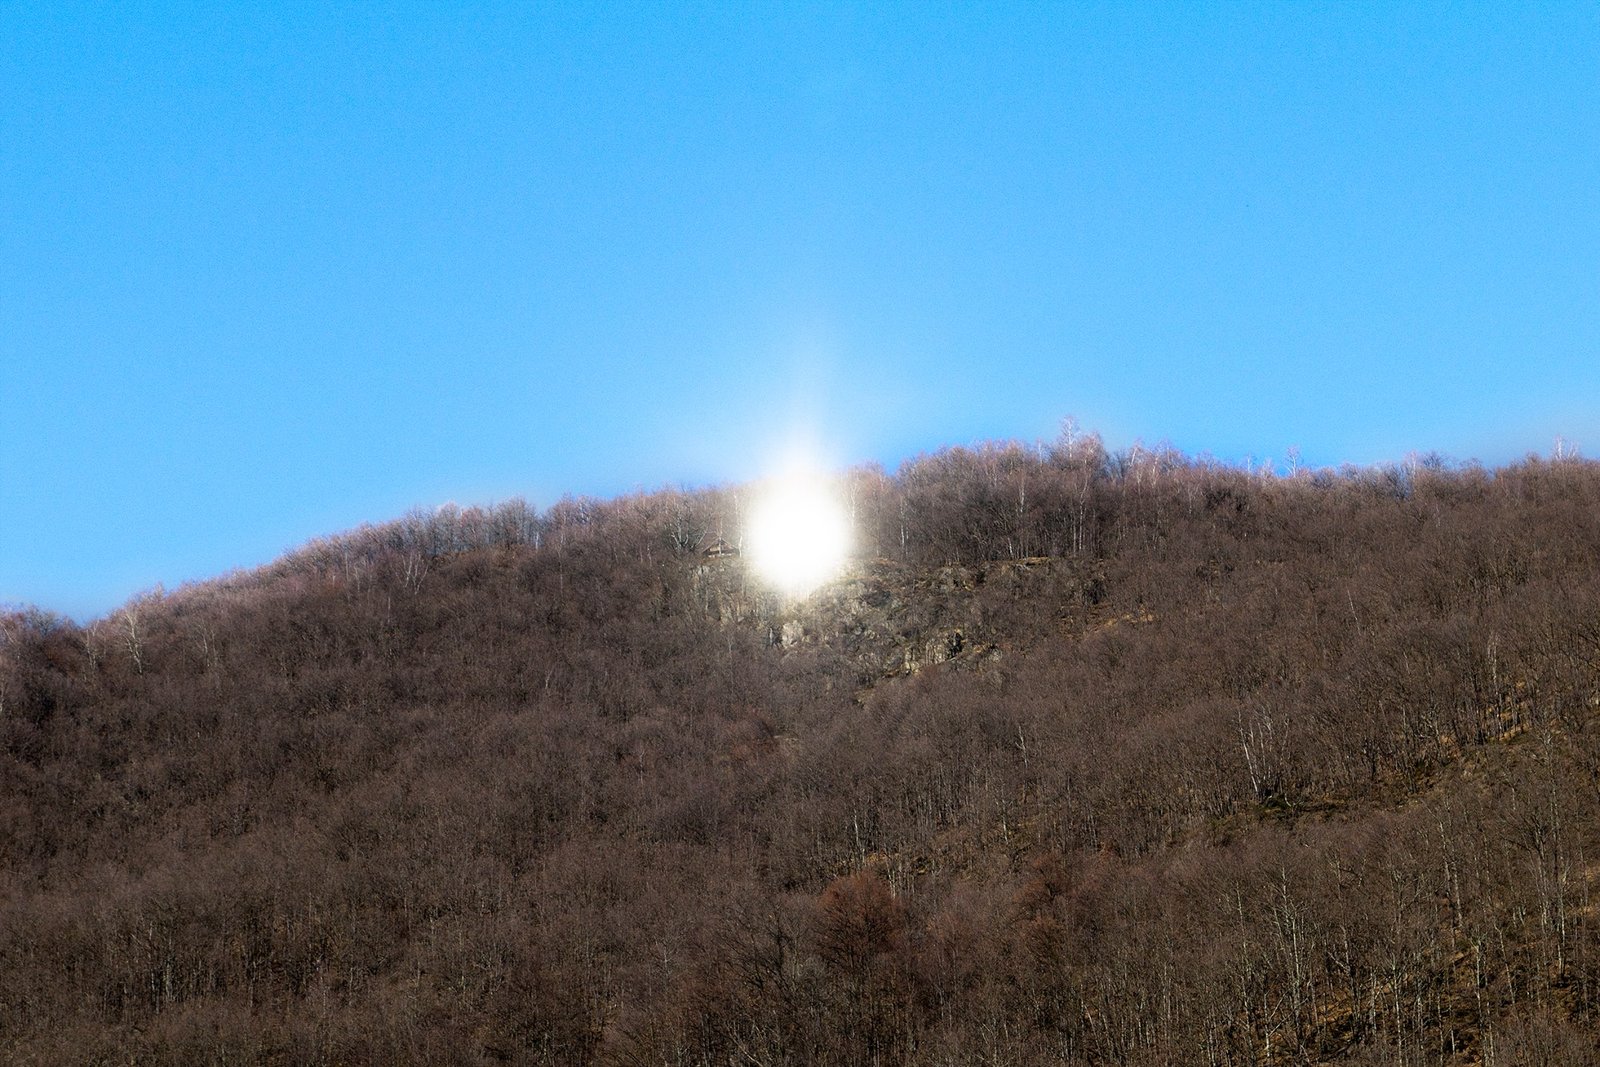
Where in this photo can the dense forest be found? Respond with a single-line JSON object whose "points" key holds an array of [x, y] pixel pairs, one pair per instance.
{"points": [[1089, 757]]}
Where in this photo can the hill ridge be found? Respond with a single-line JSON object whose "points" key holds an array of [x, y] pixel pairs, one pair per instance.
{"points": [[1084, 759]]}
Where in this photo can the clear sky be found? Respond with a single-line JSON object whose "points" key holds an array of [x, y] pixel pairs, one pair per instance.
{"points": [[268, 271]]}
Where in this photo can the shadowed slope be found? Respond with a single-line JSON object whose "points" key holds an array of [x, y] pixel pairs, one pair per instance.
{"points": [[1087, 759]]}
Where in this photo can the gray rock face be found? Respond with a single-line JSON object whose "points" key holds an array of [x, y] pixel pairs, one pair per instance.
{"points": [[880, 618]]}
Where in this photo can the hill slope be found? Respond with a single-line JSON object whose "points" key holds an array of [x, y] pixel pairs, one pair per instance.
{"points": [[1088, 758]]}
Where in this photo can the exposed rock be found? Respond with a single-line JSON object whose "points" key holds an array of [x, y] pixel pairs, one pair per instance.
{"points": [[880, 619]]}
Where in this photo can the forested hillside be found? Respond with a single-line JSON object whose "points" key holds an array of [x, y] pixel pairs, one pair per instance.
{"points": [[1089, 758]]}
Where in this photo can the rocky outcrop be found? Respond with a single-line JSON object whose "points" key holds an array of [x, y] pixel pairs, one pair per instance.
{"points": [[880, 618]]}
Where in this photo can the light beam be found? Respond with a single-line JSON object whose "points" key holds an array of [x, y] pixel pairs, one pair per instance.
{"points": [[798, 534]]}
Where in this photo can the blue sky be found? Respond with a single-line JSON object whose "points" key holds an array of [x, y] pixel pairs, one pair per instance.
{"points": [[268, 271]]}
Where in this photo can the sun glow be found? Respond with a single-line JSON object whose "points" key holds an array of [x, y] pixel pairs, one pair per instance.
{"points": [[799, 533]]}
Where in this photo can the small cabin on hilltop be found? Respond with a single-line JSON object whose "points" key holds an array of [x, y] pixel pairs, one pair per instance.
{"points": [[719, 549]]}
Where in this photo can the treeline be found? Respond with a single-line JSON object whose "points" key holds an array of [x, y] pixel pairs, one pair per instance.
{"points": [[1298, 769], [1003, 500]]}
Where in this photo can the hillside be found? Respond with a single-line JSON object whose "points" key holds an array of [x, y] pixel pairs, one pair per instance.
{"points": [[1088, 758]]}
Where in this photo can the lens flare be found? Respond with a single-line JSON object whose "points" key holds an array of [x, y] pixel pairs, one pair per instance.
{"points": [[798, 534]]}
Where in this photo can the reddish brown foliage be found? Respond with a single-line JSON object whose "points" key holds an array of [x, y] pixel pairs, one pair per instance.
{"points": [[1248, 770]]}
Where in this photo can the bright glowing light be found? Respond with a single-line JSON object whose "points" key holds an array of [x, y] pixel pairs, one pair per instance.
{"points": [[799, 534]]}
